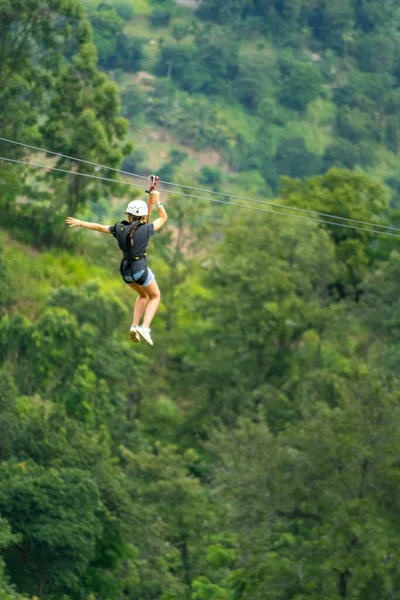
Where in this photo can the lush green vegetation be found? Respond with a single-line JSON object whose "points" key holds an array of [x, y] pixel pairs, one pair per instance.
{"points": [[284, 88], [252, 454]]}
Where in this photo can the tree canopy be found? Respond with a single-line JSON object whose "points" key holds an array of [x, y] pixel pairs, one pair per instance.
{"points": [[252, 453]]}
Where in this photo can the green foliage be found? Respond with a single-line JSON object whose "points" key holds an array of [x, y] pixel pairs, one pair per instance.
{"points": [[372, 15], [347, 195], [301, 84], [342, 153], [168, 170], [115, 49], [88, 430], [293, 159], [342, 36], [107, 26], [252, 454], [56, 515], [211, 176], [136, 162], [376, 53], [254, 82], [203, 66], [161, 17], [7, 538], [331, 22], [125, 9], [328, 529], [203, 589], [93, 115], [356, 126], [22, 78], [394, 183], [271, 17], [133, 101], [68, 102], [163, 482], [6, 294], [32, 52]]}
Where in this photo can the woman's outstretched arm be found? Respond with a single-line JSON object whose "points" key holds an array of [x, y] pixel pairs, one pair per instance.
{"points": [[95, 226]]}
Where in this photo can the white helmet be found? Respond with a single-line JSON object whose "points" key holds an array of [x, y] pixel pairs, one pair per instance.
{"points": [[138, 208]]}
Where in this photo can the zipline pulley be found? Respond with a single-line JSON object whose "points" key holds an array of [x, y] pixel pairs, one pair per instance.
{"points": [[152, 181]]}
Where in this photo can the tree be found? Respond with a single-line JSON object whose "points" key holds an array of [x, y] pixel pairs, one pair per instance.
{"points": [[49, 27], [382, 314], [7, 538], [294, 160], [133, 101], [364, 91], [82, 107], [211, 176], [35, 35], [6, 294], [205, 66], [63, 357], [83, 120], [167, 172], [348, 195], [270, 295], [301, 84], [246, 16], [9, 425], [334, 539], [161, 16], [115, 49], [38, 430], [176, 499], [332, 21], [125, 9], [373, 15], [376, 53], [107, 27], [56, 514], [341, 153], [254, 82], [228, 12]]}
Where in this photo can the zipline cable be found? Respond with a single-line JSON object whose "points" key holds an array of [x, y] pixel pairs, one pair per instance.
{"points": [[294, 208], [81, 160], [212, 192], [136, 185]]}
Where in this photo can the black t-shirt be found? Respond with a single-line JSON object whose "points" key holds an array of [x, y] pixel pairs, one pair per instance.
{"points": [[141, 238]]}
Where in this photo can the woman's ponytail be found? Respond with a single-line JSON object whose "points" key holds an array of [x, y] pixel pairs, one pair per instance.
{"points": [[137, 221]]}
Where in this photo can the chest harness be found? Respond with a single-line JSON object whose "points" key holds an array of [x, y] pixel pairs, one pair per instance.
{"points": [[131, 263]]}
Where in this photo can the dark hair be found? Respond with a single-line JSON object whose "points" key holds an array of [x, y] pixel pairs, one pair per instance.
{"points": [[136, 222]]}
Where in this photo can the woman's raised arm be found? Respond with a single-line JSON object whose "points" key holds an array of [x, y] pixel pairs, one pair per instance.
{"points": [[162, 215]]}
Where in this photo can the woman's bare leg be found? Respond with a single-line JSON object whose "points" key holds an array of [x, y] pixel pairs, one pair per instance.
{"points": [[140, 303], [154, 297]]}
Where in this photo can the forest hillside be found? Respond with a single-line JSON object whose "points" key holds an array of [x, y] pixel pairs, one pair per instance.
{"points": [[253, 452]]}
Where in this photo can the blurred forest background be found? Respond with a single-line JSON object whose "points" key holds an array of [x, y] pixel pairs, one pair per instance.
{"points": [[254, 452]]}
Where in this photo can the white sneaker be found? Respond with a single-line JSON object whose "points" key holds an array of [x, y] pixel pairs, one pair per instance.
{"points": [[145, 333], [134, 334]]}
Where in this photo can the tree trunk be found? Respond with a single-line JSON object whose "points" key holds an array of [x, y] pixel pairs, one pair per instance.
{"points": [[183, 547], [342, 583]]}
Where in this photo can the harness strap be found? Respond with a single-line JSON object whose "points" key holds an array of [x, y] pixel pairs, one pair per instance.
{"points": [[127, 272], [132, 258], [142, 278]]}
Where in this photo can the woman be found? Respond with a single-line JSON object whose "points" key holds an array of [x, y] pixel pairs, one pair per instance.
{"points": [[133, 238]]}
